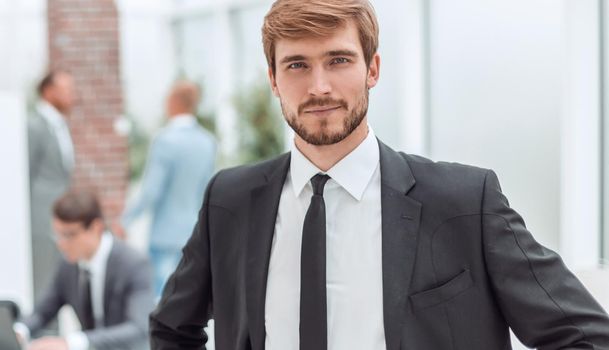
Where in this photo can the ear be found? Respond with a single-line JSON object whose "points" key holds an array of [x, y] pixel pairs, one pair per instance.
{"points": [[273, 82], [48, 94], [373, 71], [97, 225]]}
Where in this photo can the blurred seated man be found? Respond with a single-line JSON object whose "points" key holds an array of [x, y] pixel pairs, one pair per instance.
{"points": [[107, 283]]}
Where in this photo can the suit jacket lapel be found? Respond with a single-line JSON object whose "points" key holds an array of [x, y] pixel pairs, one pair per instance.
{"points": [[400, 225], [264, 204], [73, 290]]}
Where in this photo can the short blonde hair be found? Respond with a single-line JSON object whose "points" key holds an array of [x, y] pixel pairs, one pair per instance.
{"points": [[295, 19]]}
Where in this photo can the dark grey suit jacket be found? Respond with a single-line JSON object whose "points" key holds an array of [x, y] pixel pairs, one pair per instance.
{"points": [[459, 266], [127, 300]]}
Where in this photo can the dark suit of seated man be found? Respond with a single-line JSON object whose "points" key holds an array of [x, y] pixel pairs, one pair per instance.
{"points": [[107, 283]]}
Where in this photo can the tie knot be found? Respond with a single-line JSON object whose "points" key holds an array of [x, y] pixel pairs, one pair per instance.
{"points": [[318, 182]]}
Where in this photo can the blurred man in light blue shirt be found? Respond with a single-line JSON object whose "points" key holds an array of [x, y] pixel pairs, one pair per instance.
{"points": [[180, 163]]}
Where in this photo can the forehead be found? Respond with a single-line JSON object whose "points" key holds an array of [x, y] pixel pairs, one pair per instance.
{"points": [[62, 79], [343, 38], [63, 225]]}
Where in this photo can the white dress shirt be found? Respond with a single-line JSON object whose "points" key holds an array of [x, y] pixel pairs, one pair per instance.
{"points": [[60, 128], [97, 269], [353, 253]]}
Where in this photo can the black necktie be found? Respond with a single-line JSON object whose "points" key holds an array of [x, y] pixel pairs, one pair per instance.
{"points": [[313, 308], [88, 320]]}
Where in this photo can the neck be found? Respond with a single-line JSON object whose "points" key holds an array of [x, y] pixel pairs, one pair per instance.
{"points": [[326, 156], [54, 106], [177, 113], [94, 248]]}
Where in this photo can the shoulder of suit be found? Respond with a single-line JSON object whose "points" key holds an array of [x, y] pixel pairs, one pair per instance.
{"points": [[65, 270], [203, 130], [124, 253], [446, 182], [37, 124], [421, 163], [253, 170], [231, 184]]}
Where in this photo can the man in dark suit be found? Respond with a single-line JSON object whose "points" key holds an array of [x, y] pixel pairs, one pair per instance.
{"points": [[51, 160], [107, 283], [344, 243]]}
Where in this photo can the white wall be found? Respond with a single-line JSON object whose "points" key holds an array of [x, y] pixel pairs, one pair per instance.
{"points": [[15, 244], [397, 109], [605, 160], [495, 90], [148, 65], [23, 44], [23, 60], [580, 193]]}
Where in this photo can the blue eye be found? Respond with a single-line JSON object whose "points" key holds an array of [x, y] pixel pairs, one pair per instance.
{"points": [[339, 60], [296, 65]]}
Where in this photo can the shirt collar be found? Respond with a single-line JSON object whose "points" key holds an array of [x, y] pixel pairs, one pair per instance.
{"points": [[181, 120], [99, 259], [50, 113], [353, 172]]}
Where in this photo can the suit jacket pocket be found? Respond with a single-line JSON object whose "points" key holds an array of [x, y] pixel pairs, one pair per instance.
{"points": [[445, 292]]}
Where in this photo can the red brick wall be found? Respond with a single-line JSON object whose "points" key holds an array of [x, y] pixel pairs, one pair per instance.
{"points": [[84, 39]]}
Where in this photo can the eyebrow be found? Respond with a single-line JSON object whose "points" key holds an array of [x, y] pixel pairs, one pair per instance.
{"points": [[341, 53], [331, 53], [292, 59]]}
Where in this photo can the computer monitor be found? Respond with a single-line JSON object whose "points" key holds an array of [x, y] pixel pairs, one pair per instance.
{"points": [[8, 338]]}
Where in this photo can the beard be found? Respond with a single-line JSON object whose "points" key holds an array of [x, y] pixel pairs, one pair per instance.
{"points": [[324, 136]]}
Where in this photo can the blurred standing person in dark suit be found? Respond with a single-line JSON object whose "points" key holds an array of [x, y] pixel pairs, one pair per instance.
{"points": [[51, 161], [180, 163]]}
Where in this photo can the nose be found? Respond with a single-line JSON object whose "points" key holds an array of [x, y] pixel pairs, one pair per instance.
{"points": [[320, 83]]}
